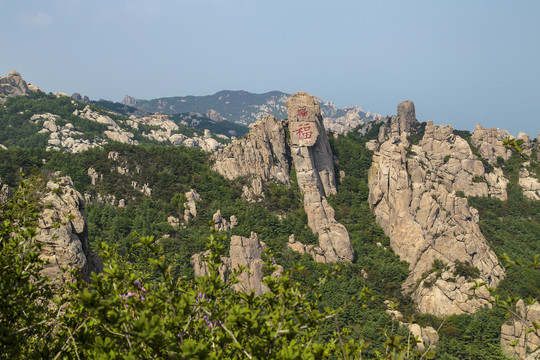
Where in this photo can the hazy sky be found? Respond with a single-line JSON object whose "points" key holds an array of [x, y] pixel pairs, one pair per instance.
{"points": [[461, 62]]}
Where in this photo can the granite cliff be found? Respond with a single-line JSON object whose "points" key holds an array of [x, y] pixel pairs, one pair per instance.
{"points": [[414, 193], [269, 152]]}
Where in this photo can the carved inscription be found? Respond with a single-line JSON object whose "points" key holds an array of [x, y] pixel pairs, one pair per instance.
{"points": [[303, 133]]}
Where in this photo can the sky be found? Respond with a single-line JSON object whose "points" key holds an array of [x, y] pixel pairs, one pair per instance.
{"points": [[462, 62]]}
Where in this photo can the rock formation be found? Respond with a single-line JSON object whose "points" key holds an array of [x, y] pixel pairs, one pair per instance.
{"points": [[4, 192], [190, 206], [245, 252], [214, 115], [529, 182], [514, 330], [314, 164], [66, 245], [65, 137], [264, 154], [221, 224], [413, 195], [489, 144], [14, 85], [129, 101]]}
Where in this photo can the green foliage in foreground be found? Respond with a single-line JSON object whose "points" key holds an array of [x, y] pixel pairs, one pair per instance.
{"points": [[124, 314]]}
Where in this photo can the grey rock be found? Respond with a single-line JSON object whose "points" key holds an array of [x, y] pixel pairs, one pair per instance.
{"points": [[214, 115], [130, 101], [515, 330], [14, 85], [314, 164], [414, 200], [244, 252], [190, 205], [66, 245], [261, 155]]}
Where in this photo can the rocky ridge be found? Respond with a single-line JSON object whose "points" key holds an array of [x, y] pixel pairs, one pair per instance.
{"points": [[414, 195], [267, 153], [161, 129]]}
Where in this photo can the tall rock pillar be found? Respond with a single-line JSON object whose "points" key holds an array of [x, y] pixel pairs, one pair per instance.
{"points": [[314, 164]]}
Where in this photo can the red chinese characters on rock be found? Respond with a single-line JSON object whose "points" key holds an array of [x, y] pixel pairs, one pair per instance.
{"points": [[302, 112], [304, 131]]}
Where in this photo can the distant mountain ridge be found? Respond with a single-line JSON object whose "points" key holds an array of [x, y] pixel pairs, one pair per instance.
{"points": [[245, 108]]}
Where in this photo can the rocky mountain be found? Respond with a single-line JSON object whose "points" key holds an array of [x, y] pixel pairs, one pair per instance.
{"points": [[265, 154], [57, 122], [415, 211], [245, 108]]}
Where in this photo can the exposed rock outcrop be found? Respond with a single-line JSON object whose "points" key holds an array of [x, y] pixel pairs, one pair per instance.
{"points": [[114, 132], [64, 137], [4, 192], [66, 245], [514, 330], [262, 155], [214, 115], [190, 206], [489, 144], [529, 183], [245, 252], [314, 164], [401, 123], [413, 195], [14, 85], [221, 224], [129, 101]]}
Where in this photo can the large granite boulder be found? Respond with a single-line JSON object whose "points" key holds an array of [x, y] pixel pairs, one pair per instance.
{"points": [[63, 230], [14, 85]]}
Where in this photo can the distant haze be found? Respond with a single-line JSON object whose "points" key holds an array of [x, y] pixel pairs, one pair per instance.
{"points": [[461, 62]]}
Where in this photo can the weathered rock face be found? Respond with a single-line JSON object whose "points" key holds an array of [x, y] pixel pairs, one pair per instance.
{"points": [[515, 330], [314, 164], [489, 144], [261, 156], [67, 245], [190, 205], [413, 195], [14, 85], [264, 155], [245, 252], [405, 119], [529, 182], [222, 224]]}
